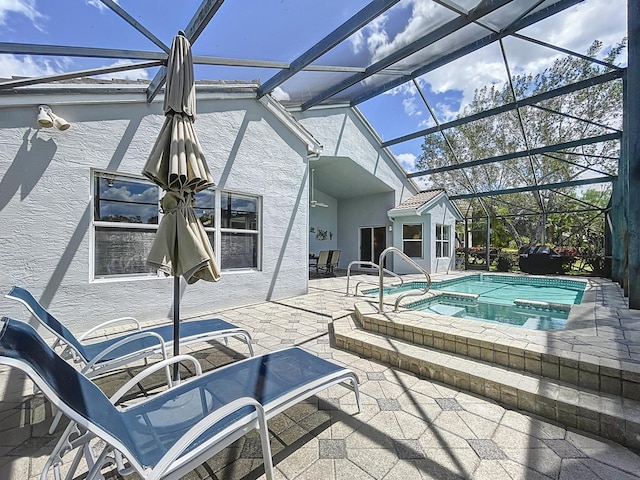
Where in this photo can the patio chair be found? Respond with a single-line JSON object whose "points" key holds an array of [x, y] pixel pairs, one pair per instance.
{"points": [[125, 347], [128, 346], [333, 261], [171, 433], [322, 262], [328, 267]]}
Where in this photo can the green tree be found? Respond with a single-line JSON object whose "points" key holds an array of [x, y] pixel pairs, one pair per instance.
{"points": [[585, 113], [570, 229]]}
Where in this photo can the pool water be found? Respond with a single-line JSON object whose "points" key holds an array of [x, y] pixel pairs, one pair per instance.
{"points": [[505, 293], [517, 316], [538, 303]]}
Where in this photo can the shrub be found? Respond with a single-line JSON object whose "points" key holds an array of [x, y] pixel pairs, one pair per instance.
{"points": [[504, 262]]}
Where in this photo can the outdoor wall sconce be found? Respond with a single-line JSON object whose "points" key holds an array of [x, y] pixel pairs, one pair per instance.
{"points": [[48, 119]]}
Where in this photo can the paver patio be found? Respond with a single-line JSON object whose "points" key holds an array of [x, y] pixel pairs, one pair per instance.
{"points": [[409, 428]]}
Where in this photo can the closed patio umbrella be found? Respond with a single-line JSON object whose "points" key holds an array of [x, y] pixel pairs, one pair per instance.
{"points": [[177, 164]]}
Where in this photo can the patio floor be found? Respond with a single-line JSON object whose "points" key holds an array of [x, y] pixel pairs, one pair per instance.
{"points": [[409, 428]]}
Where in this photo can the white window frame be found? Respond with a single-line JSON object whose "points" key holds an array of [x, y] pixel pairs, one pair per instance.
{"points": [[257, 232], [443, 245], [214, 231], [413, 240], [98, 224]]}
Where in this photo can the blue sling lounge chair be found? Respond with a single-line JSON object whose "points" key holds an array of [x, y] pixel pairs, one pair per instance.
{"points": [[171, 433], [125, 347]]}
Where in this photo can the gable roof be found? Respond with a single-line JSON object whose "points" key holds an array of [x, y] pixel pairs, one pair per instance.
{"points": [[422, 202]]}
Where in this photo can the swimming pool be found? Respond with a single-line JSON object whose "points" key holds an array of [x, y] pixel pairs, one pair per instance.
{"points": [[535, 317], [538, 303]]}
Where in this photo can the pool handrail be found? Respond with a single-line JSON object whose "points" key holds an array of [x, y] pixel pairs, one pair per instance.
{"points": [[406, 294], [366, 262]]}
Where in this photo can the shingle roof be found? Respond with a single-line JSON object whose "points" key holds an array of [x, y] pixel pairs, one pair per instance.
{"points": [[419, 199]]}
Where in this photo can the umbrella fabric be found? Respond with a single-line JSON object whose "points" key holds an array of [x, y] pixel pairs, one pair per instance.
{"points": [[176, 161], [182, 246], [177, 164], [180, 90]]}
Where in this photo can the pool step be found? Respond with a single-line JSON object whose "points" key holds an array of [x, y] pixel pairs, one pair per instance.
{"points": [[615, 377], [607, 415]]}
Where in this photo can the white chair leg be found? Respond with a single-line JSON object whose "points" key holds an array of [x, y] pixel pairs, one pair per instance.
{"points": [[56, 421], [266, 446]]}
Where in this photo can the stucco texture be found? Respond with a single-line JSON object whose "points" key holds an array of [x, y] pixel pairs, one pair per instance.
{"points": [[46, 204]]}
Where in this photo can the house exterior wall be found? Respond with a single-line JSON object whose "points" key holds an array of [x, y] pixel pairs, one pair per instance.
{"points": [[355, 213], [344, 132], [323, 219], [46, 204], [440, 213]]}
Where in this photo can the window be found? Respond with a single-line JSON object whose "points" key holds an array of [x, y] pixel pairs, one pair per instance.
{"points": [[126, 216], [412, 239], [443, 233], [125, 223], [239, 231]]}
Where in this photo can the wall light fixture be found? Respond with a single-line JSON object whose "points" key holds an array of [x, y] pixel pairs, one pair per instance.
{"points": [[48, 119]]}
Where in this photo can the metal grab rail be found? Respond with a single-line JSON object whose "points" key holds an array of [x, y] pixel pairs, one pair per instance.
{"points": [[365, 262], [407, 294]]}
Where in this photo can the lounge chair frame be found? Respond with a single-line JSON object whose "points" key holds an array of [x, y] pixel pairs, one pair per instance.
{"points": [[93, 415], [101, 356]]}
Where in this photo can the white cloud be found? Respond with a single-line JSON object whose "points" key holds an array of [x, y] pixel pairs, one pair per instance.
{"points": [[404, 89], [98, 4], [280, 95], [484, 67], [411, 107], [575, 29], [20, 7], [407, 160], [357, 41], [27, 66], [25, 8], [425, 16], [373, 36], [427, 122], [137, 74], [123, 193], [445, 112], [606, 20]]}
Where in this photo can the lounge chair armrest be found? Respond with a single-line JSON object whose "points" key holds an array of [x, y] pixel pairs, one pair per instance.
{"points": [[129, 338], [108, 323], [203, 425], [152, 369]]}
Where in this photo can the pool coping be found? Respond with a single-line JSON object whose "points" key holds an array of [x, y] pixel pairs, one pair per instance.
{"points": [[418, 299], [540, 352], [586, 376]]}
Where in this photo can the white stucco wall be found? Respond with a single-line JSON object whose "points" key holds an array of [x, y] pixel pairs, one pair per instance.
{"points": [[355, 213], [325, 218], [440, 213], [343, 132], [45, 202]]}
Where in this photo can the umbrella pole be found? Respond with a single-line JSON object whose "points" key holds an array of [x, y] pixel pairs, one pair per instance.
{"points": [[176, 325]]}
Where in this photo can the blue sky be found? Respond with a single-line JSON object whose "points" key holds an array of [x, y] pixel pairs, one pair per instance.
{"points": [[280, 30]]}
